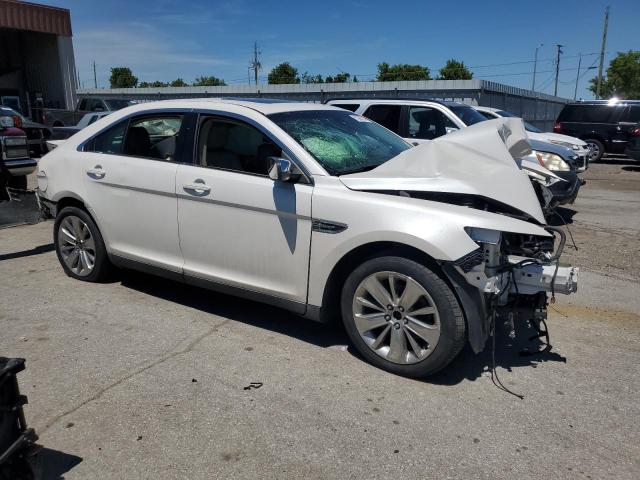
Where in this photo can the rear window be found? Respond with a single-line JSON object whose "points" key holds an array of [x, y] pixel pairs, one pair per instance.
{"points": [[352, 107], [587, 113], [632, 114]]}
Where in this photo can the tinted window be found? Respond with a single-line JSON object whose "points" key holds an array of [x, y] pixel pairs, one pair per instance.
{"points": [[96, 105], [83, 104], [386, 115], [109, 141], [233, 145], [468, 115], [118, 104], [341, 141], [153, 137], [632, 114], [428, 123], [586, 113], [352, 107], [487, 115]]}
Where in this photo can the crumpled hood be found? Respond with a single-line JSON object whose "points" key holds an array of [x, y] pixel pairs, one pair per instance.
{"points": [[477, 160]]}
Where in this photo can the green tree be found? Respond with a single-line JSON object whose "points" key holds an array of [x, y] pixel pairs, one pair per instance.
{"points": [[455, 70], [390, 73], [178, 82], [343, 77], [155, 84], [623, 77], [121, 77], [283, 73], [208, 82], [306, 78]]}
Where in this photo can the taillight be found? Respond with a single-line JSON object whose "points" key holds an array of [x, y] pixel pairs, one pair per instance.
{"points": [[635, 132], [17, 121], [557, 127]]}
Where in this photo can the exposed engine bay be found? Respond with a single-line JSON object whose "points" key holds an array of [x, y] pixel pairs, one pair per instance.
{"points": [[518, 275]]}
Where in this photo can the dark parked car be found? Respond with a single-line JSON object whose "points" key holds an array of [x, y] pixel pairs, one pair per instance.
{"points": [[606, 125], [633, 149], [37, 133]]}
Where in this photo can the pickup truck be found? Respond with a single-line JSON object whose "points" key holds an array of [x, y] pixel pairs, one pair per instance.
{"points": [[15, 163], [54, 117]]}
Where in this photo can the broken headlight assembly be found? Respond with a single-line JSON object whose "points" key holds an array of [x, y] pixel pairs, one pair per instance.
{"points": [[552, 162]]}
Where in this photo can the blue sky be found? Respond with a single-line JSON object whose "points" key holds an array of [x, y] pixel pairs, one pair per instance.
{"points": [[165, 39]]}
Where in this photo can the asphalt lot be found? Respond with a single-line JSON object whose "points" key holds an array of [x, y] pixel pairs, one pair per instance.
{"points": [[144, 378]]}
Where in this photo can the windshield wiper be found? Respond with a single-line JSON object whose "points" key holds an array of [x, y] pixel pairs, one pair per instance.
{"points": [[359, 169]]}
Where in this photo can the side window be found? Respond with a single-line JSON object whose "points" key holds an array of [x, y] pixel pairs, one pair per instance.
{"points": [[428, 123], [234, 145], [153, 137], [352, 107], [83, 104], [632, 114], [95, 105], [386, 115], [487, 115], [109, 141]]}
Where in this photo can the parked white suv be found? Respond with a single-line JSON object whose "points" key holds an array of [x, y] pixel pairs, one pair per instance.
{"points": [[316, 210], [579, 147]]}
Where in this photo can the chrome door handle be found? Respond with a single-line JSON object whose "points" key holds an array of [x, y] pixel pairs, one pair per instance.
{"points": [[198, 187], [96, 173]]}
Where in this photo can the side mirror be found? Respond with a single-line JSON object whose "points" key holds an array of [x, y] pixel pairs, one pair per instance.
{"points": [[282, 170]]}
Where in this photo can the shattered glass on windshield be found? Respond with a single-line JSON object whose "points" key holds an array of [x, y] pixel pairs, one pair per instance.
{"points": [[340, 141]]}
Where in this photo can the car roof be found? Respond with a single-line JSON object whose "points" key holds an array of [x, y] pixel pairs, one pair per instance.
{"points": [[612, 102], [265, 106], [396, 100]]}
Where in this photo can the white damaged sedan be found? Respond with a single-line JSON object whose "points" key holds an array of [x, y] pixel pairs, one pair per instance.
{"points": [[316, 210]]}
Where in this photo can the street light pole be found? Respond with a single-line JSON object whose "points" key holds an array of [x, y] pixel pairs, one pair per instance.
{"points": [[559, 51], [535, 68], [604, 44], [575, 92]]}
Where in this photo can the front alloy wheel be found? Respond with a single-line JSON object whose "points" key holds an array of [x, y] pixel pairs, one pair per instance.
{"points": [[402, 317], [396, 317]]}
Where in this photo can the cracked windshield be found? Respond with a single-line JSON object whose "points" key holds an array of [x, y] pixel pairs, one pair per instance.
{"points": [[341, 141]]}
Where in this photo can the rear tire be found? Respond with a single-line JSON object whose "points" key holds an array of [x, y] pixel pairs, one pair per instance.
{"points": [[597, 149], [419, 331], [80, 246]]}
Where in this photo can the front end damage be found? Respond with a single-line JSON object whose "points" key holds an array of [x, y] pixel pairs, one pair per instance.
{"points": [[515, 270], [510, 278]]}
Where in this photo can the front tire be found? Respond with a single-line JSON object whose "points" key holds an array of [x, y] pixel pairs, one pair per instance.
{"points": [[79, 246], [402, 317]]}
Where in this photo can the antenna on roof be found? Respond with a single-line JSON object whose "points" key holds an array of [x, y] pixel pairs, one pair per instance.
{"points": [[255, 64]]}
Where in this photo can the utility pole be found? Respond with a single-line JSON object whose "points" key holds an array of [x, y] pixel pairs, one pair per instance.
{"points": [[255, 64], [535, 68], [95, 77], [575, 91], [604, 44], [558, 52]]}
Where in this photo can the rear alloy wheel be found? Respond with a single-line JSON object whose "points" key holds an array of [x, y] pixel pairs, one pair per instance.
{"points": [[79, 246], [402, 317], [596, 149]]}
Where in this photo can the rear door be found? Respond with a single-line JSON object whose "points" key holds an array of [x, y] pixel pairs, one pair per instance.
{"points": [[130, 172], [425, 123], [238, 228]]}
